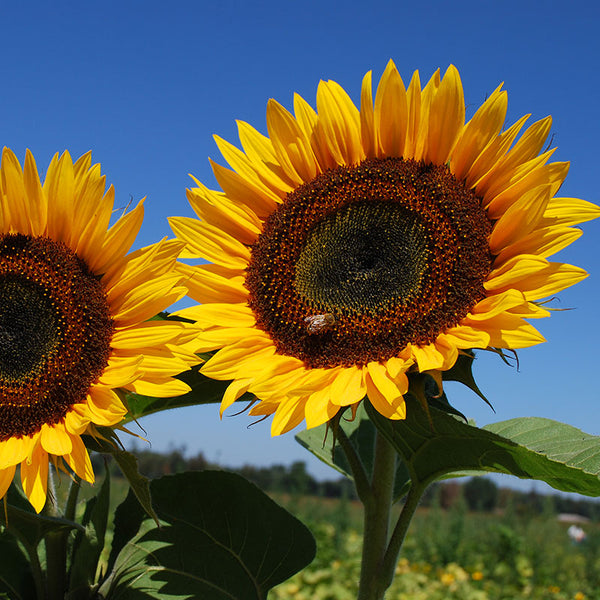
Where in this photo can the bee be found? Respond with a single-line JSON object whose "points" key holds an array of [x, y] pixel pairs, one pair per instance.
{"points": [[317, 324]]}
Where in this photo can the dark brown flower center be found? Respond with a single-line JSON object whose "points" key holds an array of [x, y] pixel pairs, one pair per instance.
{"points": [[366, 259], [55, 332]]}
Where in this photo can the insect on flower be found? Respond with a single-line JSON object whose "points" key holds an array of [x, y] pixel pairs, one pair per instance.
{"points": [[316, 324]]}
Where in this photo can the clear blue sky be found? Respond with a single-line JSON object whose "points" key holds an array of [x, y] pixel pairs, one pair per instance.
{"points": [[144, 85]]}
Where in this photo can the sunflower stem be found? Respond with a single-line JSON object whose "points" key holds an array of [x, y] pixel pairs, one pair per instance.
{"points": [[56, 547], [390, 559], [359, 474], [377, 520]]}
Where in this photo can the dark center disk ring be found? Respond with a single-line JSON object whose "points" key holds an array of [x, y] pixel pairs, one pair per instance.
{"points": [[55, 332], [382, 254]]}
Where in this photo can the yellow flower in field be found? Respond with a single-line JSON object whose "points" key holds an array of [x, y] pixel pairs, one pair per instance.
{"points": [[579, 596], [74, 310], [447, 578], [477, 575], [352, 246]]}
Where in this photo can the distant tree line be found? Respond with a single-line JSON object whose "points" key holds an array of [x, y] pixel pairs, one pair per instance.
{"points": [[477, 493]]}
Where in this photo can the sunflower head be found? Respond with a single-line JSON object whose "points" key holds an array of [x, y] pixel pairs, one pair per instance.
{"points": [[353, 246], [74, 310]]}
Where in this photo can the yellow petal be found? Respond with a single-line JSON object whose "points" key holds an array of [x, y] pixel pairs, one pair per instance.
{"points": [[393, 408], [14, 450], [205, 286], [79, 460], [151, 333], [492, 154], [55, 440], [292, 147], [259, 150], [105, 406], [209, 242], [16, 207], [520, 219], [234, 391], [6, 478], [147, 300], [554, 278], [261, 199], [120, 371], [494, 305], [59, 188], [427, 357], [34, 477], [367, 119], [341, 122], [508, 331], [464, 336], [421, 140], [513, 271], [224, 315], [289, 414], [553, 174], [38, 205], [348, 387], [319, 409], [391, 113], [239, 360], [541, 242], [413, 100], [478, 132], [379, 377], [216, 209], [165, 388], [569, 211], [446, 117]]}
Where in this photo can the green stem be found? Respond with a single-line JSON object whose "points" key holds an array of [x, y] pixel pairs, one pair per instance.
{"points": [[56, 542], [359, 474], [390, 560], [36, 571], [72, 498], [377, 520]]}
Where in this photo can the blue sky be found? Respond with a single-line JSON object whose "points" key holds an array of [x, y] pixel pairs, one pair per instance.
{"points": [[145, 85]]}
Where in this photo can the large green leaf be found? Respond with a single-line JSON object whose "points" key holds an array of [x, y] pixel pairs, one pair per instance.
{"points": [[361, 434], [220, 538], [530, 448]]}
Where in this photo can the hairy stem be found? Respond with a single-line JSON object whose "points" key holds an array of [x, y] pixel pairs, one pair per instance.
{"points": [[377, 520], [390, 559]]}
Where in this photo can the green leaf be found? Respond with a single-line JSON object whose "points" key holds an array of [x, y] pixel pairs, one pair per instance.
{"points": [[529, 448], [16, 581], [221, 538], [127, 463], [88, 545], [204, 391], [361, 433], [462, 371]]}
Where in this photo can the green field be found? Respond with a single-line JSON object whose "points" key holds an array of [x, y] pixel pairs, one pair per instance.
{"points": [[450, 554]]}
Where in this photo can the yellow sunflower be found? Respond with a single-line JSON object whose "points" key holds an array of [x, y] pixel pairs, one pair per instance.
{"points": [[74, 310], [352, 246]]}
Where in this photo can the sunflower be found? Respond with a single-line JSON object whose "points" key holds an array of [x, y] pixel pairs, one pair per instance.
{"points": [[352, 247], [74, 317]]}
